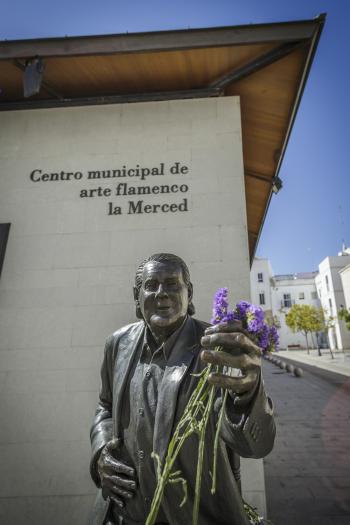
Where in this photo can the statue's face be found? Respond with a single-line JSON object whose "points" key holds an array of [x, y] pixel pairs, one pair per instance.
{"points": [[163, 297]]}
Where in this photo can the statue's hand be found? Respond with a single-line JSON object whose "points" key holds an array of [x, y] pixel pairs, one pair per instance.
{"points": [[118, 480], [239, 351]]}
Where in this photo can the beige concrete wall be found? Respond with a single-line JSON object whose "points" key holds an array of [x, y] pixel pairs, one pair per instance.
{"points": [[69, 266]]}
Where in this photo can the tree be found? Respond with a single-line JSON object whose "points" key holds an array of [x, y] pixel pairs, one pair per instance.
{"points": [[345, 316], [304, 318]]}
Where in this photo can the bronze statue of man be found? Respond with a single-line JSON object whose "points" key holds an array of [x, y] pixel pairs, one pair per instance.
{"points": [[148, 375]]}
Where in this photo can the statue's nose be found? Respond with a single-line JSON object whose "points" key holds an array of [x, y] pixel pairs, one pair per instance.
{"points": [[161, 292]]}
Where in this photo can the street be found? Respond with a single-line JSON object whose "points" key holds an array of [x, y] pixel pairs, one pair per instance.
{"points": [[308, 472]]}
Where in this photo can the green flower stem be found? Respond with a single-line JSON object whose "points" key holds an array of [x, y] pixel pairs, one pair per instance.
{"points": [[194, 420], [204, 424], [185, 427], [216, 442]]}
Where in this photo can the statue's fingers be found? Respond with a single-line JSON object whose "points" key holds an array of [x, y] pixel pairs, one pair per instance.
{"points": [[118, 501], [106, 493], [242, 361], [236, 384], [231, 326], [122, 468], [115, 466], [116, 490], [235, 342], [124, 483]]}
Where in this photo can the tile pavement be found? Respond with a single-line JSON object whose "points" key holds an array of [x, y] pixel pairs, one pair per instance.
{"points": [[307, 474]]}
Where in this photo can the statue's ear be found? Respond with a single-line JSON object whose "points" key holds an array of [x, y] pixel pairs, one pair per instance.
{"points": [[190, 292], [191, 309], [137, 304]]}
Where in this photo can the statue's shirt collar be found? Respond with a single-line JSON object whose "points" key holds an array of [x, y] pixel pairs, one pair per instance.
{"points": [[151, 350]]}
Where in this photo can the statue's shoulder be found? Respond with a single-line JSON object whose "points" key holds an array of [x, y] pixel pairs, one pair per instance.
{"points": [[127, 330], [124, 336]]}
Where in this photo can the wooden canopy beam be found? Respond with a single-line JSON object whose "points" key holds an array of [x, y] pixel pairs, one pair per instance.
{"points": [[258, 63], [258, 176], [111, 99]]}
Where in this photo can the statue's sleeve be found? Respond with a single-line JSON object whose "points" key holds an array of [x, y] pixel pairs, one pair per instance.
{"points": [[250, 430], [102, 426]]}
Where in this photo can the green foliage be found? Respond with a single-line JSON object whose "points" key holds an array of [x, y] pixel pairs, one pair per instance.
{"points": [[305, 318], [345, 316]]}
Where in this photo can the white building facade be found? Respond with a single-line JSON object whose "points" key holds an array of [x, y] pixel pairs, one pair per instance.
{"points": [[288, 290], [345, 279], [276, 294], [260, 283], [331, 294], [328, 288]]}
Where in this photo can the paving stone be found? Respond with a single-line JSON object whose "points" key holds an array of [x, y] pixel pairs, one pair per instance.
{"points": [[307, 474]]}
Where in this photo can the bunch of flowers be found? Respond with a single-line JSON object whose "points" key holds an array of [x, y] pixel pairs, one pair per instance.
{"points": [[252, 318], [199, 407]]}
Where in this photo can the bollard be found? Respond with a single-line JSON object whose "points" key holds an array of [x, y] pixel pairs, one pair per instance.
{"points": [[282, 365], [290, 368], [298, 372]]}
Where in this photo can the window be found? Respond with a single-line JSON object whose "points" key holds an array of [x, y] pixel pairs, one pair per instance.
{"points": [[261, 298], [301, 296], [287, 301], [260, 278], [330, 306], [4, 233], [314, 295], [327, 283]]}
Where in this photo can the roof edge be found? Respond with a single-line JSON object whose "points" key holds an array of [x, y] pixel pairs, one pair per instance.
{"points": [[158, 40]]}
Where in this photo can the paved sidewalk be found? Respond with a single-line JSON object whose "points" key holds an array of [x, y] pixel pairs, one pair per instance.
{"points": [[340, 364], [307, 474]]}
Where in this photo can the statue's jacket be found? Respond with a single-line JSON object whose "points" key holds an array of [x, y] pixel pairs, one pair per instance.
{"points": [[248, 433]]}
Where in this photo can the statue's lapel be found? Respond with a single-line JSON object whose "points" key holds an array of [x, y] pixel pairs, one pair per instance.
{"points": [[126, 354], [185, 348]]}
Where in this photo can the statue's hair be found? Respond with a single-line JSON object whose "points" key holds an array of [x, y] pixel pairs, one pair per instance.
{"points": [[163, 258]]}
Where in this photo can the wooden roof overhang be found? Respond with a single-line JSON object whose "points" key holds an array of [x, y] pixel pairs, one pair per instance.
{"points": [[266, 65]]}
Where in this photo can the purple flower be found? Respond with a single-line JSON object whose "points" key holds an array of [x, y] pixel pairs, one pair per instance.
{"points": [[241, 309], [263, 337], [255, 319], [230, 316], [274, 339], [251, 316], [220, 307], [268, 338]]}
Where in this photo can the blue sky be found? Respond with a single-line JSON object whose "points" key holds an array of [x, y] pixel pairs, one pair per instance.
{"points": [[310, 217]]}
